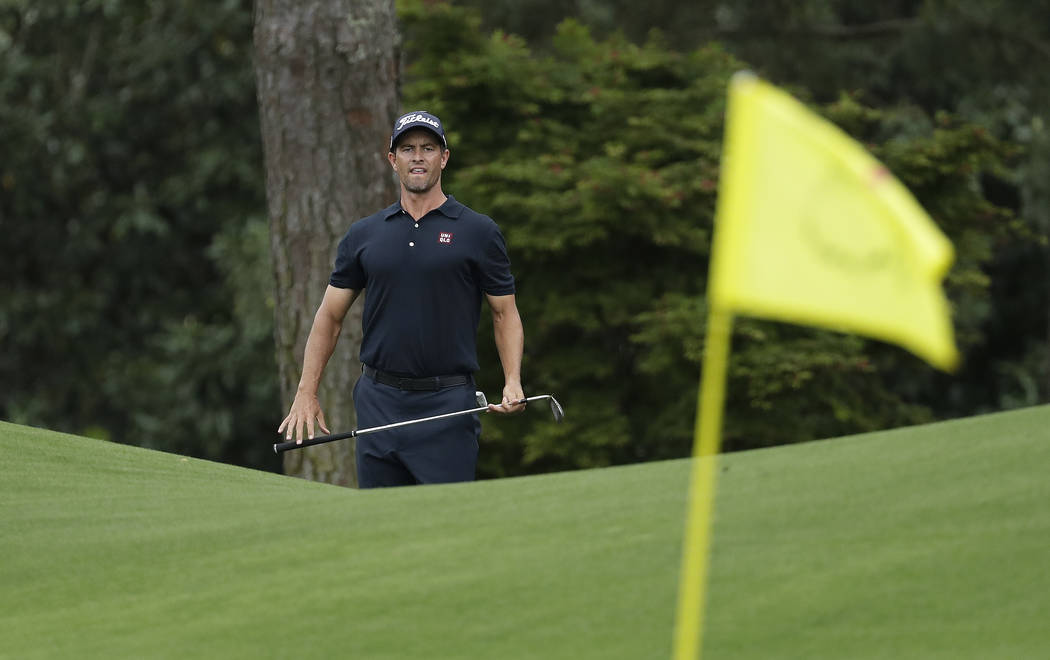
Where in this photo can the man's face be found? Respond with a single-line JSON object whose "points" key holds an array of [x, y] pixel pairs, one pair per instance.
{"points": [[418, 159]]}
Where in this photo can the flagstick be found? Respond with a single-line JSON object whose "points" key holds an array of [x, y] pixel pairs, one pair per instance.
{"points": [[696, 550]]}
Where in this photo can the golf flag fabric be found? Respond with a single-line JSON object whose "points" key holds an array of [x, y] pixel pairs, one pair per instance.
{"points": [[809, 229], [812, 229]]}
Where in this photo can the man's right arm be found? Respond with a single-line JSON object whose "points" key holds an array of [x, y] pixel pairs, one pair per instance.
{"points": [[328, 323]]}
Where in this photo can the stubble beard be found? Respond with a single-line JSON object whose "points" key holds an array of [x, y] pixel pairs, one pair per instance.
{"points": [[418, 188], [424, 186]]}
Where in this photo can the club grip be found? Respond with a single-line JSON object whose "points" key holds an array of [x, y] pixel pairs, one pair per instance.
{"points": [[278, 447]]}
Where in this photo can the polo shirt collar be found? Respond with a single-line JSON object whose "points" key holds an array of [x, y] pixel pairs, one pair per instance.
{"points": [[450, 209]]}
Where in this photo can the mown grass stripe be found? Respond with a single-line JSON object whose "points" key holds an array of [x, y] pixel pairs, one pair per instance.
{"points": [[923, 542]]}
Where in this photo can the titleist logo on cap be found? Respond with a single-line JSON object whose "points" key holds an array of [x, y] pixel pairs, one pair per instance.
{"points": [[417, 119], [408, 119]]}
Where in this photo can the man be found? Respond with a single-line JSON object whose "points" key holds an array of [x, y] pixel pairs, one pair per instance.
{"points": [[424, 264]]}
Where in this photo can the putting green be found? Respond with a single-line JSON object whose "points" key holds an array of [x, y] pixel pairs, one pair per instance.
{"points": [[924, 542]]}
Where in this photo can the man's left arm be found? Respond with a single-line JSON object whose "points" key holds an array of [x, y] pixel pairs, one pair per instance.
{"points": [[510, 342]]}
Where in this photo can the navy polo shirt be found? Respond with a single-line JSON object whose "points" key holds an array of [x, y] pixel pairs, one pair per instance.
{"points": [[423, 282]]}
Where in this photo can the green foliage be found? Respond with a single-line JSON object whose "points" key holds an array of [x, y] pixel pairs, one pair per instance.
{"points": [[984, 61], [131, 196], [599, 159]]}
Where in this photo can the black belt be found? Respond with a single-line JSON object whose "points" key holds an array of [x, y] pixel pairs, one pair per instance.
{"points": [[416, 384]]}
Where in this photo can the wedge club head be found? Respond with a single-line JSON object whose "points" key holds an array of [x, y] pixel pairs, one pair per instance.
{"points": [[556, 409]]}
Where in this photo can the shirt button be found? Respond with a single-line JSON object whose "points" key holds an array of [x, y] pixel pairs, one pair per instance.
{"points": [[417, 225], [411, 244]]}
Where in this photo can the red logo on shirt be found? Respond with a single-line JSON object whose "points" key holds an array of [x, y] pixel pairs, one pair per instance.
{"points": [[445, 237]]}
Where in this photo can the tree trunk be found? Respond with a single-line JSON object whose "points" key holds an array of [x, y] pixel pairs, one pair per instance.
{"points": [[327, 73]]}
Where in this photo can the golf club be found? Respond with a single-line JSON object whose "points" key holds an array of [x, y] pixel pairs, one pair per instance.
{"points": [[483, 406]]}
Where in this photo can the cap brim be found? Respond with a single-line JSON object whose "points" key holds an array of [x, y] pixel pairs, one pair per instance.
{"points": [[397, 136]]}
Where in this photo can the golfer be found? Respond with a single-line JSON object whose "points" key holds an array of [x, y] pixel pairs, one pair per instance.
{"points": [[424, 264]]}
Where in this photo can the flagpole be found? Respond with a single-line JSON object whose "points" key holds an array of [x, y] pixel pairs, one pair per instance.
{"points": [[696, 544]]}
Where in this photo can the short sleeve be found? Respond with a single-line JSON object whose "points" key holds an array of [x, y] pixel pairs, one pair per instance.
{"points": [[496, 278], [348, 272]]}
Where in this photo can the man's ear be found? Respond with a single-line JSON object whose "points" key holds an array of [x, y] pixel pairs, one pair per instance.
{"points": [[392, 158]]}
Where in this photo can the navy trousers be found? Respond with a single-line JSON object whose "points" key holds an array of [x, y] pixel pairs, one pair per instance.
{"points": [[441, 451]]}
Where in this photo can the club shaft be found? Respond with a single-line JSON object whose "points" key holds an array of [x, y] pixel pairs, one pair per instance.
{"points": [[321, 439], [472, 411]]}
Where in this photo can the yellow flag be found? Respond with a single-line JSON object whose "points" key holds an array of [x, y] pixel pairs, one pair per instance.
{"points": [[812, 229]]}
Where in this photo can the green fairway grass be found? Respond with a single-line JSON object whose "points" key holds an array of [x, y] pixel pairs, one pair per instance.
{"points": [[927, 542]]}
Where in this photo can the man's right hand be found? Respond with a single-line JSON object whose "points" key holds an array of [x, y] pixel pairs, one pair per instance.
{"points": [[305, 409]]}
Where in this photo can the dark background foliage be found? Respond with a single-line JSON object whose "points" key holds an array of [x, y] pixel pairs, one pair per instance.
{"points": [[135, 279], [135, 298]]}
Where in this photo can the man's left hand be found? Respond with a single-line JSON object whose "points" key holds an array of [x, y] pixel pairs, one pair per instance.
{"points": [[512, 395]]}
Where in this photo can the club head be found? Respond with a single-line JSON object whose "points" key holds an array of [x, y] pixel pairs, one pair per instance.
{"points": [[479, 397], [556, 410]]}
